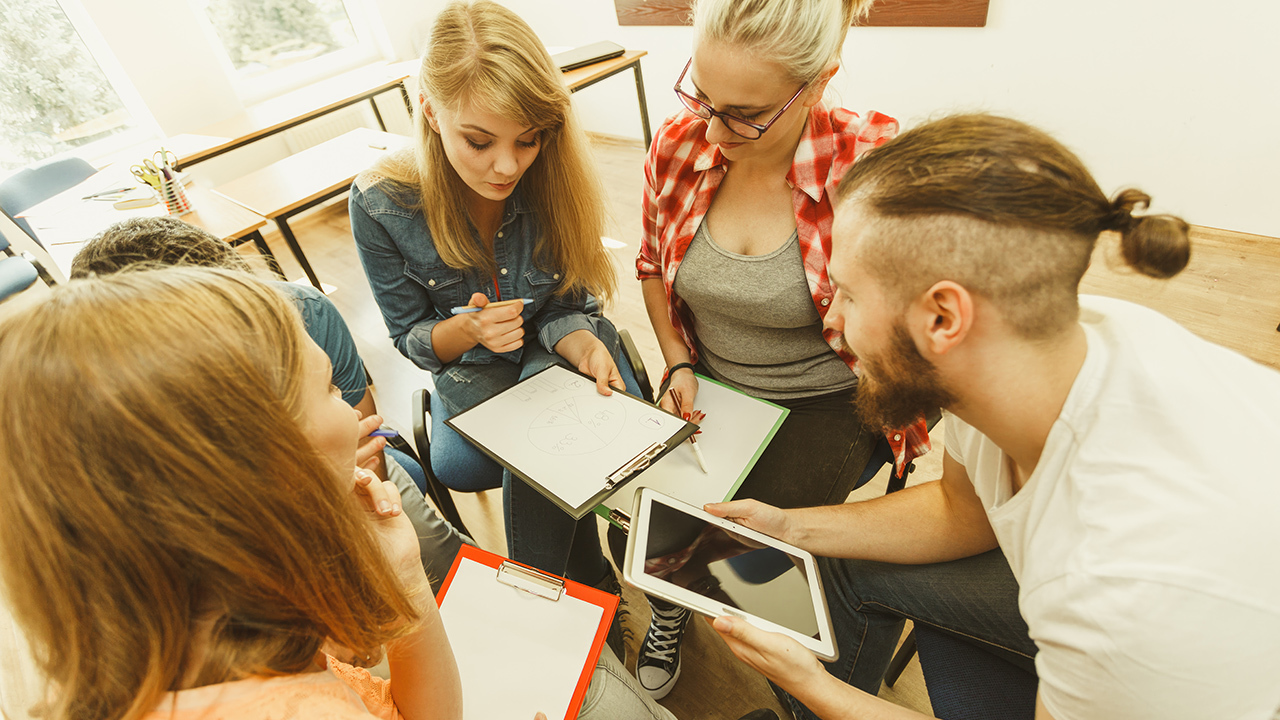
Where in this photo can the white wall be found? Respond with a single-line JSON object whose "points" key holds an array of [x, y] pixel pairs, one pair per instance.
{"points": [[1178, 98]]}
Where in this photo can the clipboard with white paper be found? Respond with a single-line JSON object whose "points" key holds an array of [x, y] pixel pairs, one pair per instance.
{"points": [[555, 431], [736, 430], [525, 641]]}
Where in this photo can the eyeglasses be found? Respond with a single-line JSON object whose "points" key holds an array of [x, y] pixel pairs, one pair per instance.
{"points": [[737, 125]]}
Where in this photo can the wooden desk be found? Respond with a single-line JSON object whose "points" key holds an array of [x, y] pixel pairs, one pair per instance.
{"points": [[306, 179], [64, 222], [589, 75], [292, 109]]}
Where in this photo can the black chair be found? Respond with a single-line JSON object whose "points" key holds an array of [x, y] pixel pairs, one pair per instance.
{"points": [[965, 682], [421, 402], [37, 183]]}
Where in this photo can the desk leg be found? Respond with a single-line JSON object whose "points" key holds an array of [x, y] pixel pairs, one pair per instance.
{"points": [[404, 95], [283, 223], [373, 103], [644, 107], [265, 250]]}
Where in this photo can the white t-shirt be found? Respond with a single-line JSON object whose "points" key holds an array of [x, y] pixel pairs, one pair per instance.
{"points": [[1145, 543]]}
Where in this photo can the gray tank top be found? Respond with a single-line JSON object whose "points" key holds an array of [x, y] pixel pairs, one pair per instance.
{"points": [[754, 318]]}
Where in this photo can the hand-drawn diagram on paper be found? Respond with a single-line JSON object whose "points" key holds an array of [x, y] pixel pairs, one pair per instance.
{"points": [[557, 430], [578, 425]]}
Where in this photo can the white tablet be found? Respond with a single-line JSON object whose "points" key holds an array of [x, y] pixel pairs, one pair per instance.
{"points": [[687, 556]]}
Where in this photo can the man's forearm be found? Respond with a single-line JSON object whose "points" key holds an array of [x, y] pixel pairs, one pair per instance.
{"points": [[917, 525]]}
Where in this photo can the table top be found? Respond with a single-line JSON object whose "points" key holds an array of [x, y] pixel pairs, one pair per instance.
{"points": [[589, 73], [302, 104], [64, 222], [299, 179]]}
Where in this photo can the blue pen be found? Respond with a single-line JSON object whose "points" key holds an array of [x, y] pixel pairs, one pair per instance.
{"points": [[472, 308], [387, 433]]}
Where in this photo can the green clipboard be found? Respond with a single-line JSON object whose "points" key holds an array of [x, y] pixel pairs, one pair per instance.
{"points": [[735, 432]]}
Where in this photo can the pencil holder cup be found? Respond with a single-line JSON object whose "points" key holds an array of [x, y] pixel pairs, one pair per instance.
{"points": [[175, 198]]}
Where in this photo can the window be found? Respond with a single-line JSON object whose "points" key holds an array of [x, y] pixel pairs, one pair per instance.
{"points": [[54, 98], [271, 44]]}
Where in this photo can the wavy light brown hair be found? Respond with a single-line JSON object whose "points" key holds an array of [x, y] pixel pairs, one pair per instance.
{"points": [[159, 493], [484, 54], [1004, 210]]}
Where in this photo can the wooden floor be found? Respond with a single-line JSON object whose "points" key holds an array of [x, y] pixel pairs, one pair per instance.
{"points": [[1228, 295]]}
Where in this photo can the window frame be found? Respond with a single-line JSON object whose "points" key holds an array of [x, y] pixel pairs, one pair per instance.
{"points": [[145, 125], [257, 89]]}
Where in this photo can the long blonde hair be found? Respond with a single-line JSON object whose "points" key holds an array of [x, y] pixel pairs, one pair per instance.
{"points": [[484, 54], [158, 486]]}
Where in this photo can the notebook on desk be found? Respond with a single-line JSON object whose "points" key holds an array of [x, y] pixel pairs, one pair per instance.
{"points": [[586, 55]]}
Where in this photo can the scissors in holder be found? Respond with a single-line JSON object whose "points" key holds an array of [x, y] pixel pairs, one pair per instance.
{"points": [[149, 173], [165, 159]]}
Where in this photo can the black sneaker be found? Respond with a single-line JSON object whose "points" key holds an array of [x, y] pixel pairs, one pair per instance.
{"points": [[658, 666]]}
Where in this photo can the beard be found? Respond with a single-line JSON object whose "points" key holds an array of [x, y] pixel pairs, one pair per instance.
{"points": [[899, 386]]}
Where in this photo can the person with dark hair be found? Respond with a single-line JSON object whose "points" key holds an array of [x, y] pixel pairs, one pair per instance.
{"points": [[1098, 503]]}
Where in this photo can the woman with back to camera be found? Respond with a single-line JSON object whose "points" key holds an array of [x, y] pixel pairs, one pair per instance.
{"points": [[209, 534], [497, 201], [733, 262]]}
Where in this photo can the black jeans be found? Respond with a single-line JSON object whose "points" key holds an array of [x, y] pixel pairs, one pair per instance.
{"points": [[975, 599]]}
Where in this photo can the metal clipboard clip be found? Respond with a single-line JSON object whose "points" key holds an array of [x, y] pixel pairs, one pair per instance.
{"points": [[634, 465], [534, 582]]}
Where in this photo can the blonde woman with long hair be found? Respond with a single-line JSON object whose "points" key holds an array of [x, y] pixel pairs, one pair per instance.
{"points": [[497, 201], [737, 198]]}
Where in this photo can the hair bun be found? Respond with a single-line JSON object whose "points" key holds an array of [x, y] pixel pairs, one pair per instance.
{"points": [[1155, 245]]}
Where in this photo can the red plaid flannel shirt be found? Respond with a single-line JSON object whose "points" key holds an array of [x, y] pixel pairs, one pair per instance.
{"points": [[682, 174]]}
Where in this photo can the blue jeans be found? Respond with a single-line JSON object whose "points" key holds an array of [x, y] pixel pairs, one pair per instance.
{"points": [[975, 599], [538, 533]]}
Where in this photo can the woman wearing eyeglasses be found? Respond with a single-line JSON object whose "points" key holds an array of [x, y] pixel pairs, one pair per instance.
{"points": [[733, 263]]}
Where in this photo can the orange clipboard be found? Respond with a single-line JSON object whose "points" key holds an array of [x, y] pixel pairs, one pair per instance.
{"points": [[501, 613]]}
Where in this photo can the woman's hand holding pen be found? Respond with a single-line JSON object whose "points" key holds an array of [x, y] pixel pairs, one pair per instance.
{"points": [[500, 329]]}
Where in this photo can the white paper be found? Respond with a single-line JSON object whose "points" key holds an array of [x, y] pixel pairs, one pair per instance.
{"points": [[556, 429], [518, 654], [735, 428]]}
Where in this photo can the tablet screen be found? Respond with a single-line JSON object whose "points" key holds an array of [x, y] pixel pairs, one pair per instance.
{"points": [[728, 568]]}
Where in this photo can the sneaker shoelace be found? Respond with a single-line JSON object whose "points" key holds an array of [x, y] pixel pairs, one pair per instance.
{"points": [[664, 633]]}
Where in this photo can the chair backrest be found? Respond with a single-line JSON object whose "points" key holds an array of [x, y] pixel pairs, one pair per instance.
{"points": [[16, 274], [37, 183]]}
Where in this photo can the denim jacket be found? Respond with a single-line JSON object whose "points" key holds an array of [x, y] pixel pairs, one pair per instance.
{"points": [[415, 289]]}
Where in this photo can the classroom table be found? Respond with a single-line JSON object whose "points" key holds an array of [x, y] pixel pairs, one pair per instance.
{"points": [[589, 75], [308, 178], [65, 221], [292, 109]]}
